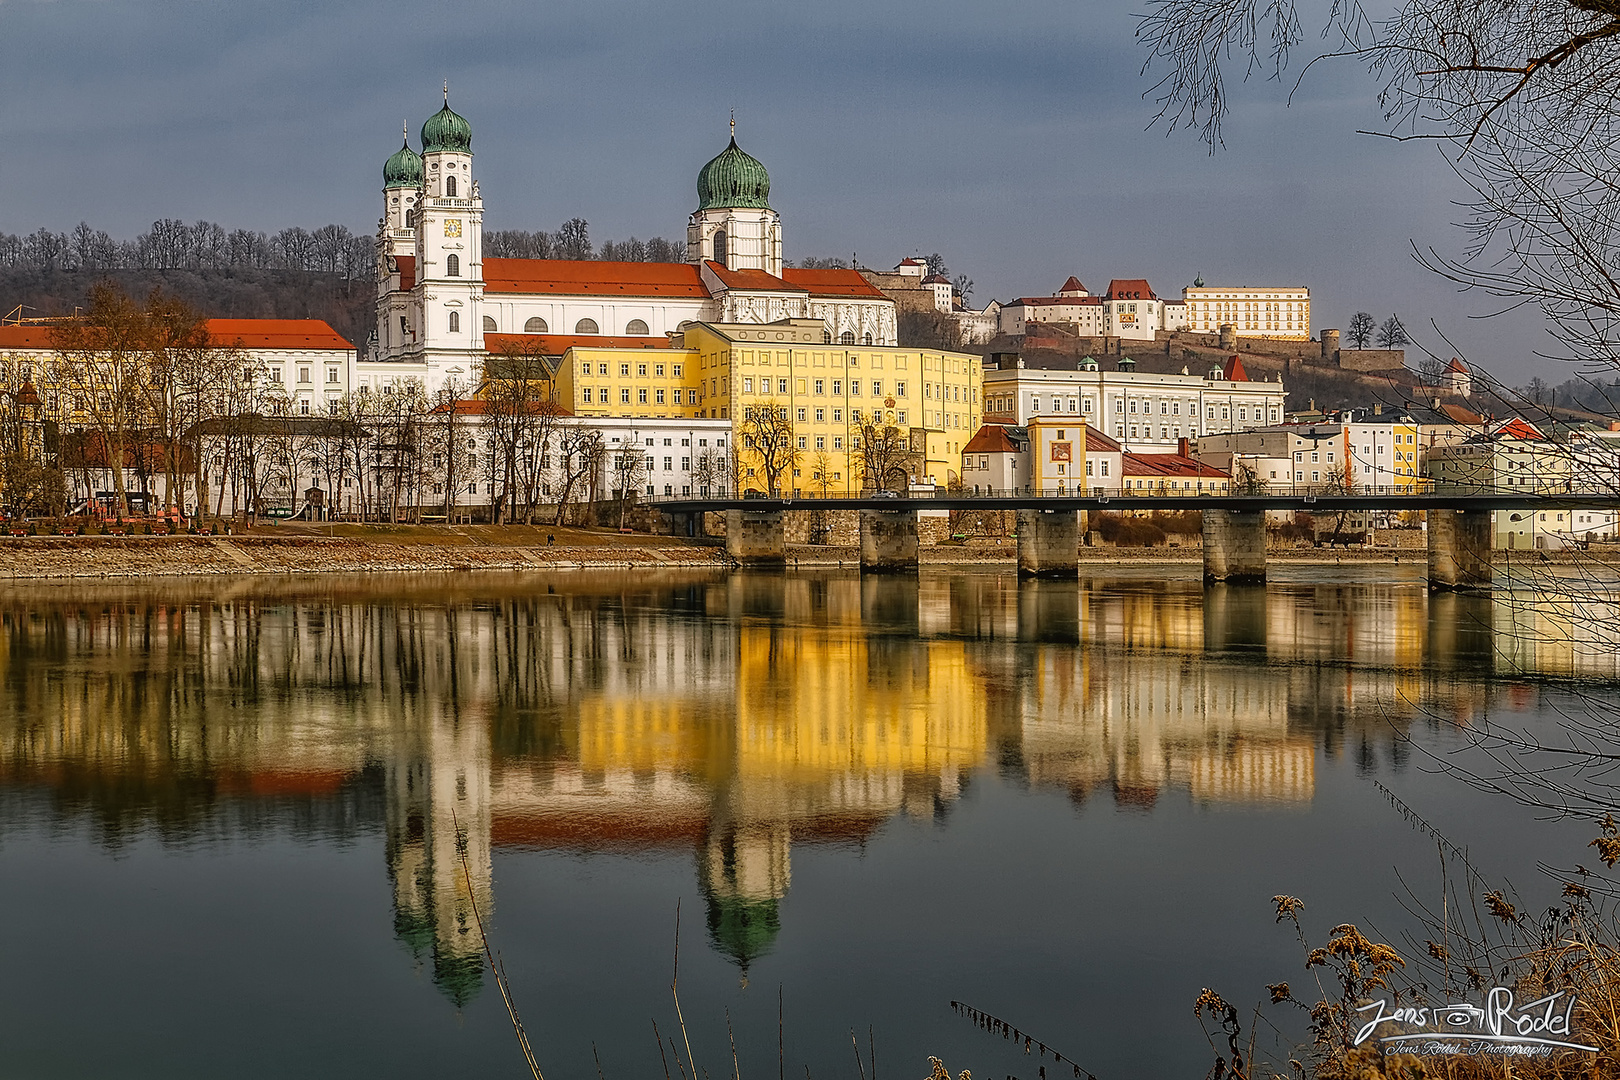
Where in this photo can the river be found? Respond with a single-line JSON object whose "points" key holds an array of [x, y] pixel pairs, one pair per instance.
{"points": [[244, 822]]}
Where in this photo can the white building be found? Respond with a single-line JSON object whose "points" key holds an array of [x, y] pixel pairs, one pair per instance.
{"points": [[1262, 311], [1140, 410], [438, 296]]}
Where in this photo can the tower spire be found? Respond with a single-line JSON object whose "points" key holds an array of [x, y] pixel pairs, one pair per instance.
{"points": [[405, 131], [733, 125], [447, 93]]}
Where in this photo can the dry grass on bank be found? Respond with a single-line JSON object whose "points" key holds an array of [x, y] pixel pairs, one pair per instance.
{"points": [[1471, 940]]}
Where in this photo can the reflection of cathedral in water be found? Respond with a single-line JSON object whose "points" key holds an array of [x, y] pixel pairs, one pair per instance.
{"points": [[729, 719]]}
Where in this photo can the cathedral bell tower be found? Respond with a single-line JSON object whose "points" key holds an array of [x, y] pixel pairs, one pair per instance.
{"points": [[734, 224], [448, 224], [402, 186]]}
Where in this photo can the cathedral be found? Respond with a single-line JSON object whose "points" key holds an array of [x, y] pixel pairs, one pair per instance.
{"points": [[441, 304]]}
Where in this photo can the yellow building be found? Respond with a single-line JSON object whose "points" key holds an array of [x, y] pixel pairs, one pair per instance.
{"points": [[829, 391]]}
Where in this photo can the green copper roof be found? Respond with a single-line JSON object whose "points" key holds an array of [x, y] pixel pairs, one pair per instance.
{"points": [[404, 169], [734, 179], [445, 130]]}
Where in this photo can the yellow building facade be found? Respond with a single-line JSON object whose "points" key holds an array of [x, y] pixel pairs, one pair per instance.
{"points": [[722, 371]]}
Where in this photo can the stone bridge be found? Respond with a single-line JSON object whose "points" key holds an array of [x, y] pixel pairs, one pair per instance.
{"points": [[1049, 526]]}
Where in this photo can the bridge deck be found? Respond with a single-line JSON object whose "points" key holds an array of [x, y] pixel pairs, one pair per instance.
{"points": [[1241, 503]]}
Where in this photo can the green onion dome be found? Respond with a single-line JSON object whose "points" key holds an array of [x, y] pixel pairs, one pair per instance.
{"points": [[445, 130], [404, 169], [734, 179]]}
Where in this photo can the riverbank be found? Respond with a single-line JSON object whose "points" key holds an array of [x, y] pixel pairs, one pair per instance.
{"points": [[360, 549]]}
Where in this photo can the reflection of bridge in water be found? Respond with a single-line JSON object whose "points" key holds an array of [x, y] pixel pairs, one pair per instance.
{"points": [[732, 718], [1458, 526]]}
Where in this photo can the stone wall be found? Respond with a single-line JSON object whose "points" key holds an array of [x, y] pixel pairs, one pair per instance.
{"points": [[1371, 359]]}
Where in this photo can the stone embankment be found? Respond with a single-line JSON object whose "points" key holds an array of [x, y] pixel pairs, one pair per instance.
{"points": [[55, 557]]}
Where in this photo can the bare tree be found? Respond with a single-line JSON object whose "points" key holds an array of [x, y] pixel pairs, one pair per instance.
{"points": [[887, 462], [1392, 335], [579, 459], [629, 467], [1361, 328], [767, 443], [520, 416]]}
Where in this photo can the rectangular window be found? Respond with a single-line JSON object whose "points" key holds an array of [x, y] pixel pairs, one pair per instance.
{"points": [[821, 386], [821, 442], [781, 386], [838, 416], [838, 387], [669, 463], [601, 369], [624, 371], [585, 368], [641, 395], [748, 385], [686, 463], [586, 392], [838, 442], [677, 395], [821, 416], [658, 395], [801, 442], [331, 375], [658, 370], [801, 416], [624, 395], [676, 370], [641, 371]]}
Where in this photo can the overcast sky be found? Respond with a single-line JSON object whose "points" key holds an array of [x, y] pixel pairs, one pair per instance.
{"points": [[1012, 138]]}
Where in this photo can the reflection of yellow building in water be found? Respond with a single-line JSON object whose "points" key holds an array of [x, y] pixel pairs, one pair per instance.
{"points": [[730, 718]]}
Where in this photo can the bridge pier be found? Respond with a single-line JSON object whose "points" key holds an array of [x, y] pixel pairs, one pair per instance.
{"points": [[756, 537], [1459, 549], [888, 541], [1048, 543], [1235, 546]]}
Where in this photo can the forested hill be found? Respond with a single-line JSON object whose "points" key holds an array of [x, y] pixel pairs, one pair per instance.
{"points": [[346, 304]]}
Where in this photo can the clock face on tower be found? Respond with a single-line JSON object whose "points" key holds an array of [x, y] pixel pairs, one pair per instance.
{"points": [[452, 226]]}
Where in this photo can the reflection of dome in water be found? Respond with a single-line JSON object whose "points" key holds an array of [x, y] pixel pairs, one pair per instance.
{"points": [[415, 929], [460, 978], [743, 929]]}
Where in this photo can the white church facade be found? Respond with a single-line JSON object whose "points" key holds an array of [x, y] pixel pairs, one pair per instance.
{"points": [[441, 305]]}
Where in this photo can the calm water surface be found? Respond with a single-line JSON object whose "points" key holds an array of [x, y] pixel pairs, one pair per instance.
{"points": [[233, 813]]}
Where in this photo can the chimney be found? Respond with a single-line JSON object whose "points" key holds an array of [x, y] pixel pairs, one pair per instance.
{"points": [[1183, 447]]}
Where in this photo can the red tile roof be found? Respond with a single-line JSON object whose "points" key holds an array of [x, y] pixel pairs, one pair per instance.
{"points": [[752, 280], [911, 262], [1233, 371], [35, 336], [990, 439], [1457, 365], [1057, 301], [1130, 289], [1098, 443], [936, 279], [245, 333], [557, 344], [1167, 465], [1072, 285], [407, 271], [276, 334], [832, 283], [581, 277]]}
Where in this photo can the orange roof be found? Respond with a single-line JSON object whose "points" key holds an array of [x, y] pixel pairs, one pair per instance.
{"points": [[753, 280], [1130, 289], [591, 278], [1072, 285], [1233, 371], [832, 282], [1457, 365], [276, 334], [407, 271], [557, 344]]}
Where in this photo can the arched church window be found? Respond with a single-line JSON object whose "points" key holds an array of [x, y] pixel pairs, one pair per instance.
{"points": [[586, 326], [455, 322], [489, 325], [826, 337], [636, 328], [720, 247], [866, 339], [536, 325], [847, 338], [449, 187], [452, 265]]}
